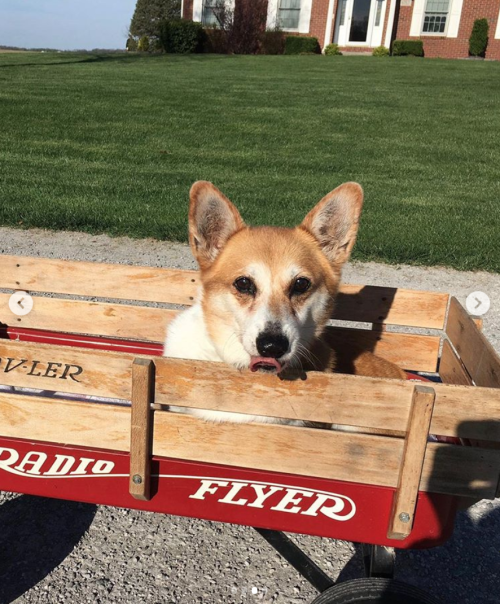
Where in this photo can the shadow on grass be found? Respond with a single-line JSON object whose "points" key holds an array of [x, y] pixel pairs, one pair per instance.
{"points": [[79, 59], [37, 535], [123, 58]]}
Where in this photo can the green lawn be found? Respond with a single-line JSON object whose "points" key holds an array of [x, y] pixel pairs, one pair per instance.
{"points": [[112, 144]]}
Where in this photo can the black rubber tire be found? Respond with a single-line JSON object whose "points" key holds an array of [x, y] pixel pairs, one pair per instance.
{"points": [[374, 591]]}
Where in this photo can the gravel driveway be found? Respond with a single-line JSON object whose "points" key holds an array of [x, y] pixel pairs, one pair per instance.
{"points": [[57, 551]]}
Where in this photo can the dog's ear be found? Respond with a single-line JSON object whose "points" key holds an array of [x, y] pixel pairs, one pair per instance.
{"points": [[212, 220], [334, 221]]}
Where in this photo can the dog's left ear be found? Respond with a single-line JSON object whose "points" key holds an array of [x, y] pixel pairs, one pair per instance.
{"points": [[334, 221], [212, 221]]}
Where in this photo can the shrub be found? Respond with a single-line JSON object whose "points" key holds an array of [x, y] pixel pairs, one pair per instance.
{"points": [[143, 44], [271, 43], [181, 36], [380, 51], [131, 44], [332, 49], [478, 40], [214, 41], [301, 45], [401, 48]]}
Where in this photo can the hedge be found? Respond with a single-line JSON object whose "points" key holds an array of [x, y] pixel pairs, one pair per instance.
{"points": [[298, 45], [181, 36], [401, 48]]}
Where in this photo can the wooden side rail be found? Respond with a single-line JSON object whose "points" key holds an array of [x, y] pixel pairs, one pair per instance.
{"points": [[371, 304], [350, 457], [476, 353], [141, 427], [412, 463], [417, 352], [356, 401]]}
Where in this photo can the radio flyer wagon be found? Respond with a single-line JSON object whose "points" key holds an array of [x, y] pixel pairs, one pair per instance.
{"points": [[84, 415]]}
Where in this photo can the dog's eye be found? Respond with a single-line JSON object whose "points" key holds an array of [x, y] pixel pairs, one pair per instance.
{"points": [[300, 286], [245, 285]]}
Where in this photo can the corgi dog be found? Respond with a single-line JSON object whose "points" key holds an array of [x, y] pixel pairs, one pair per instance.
{"points": [[267, 293]]}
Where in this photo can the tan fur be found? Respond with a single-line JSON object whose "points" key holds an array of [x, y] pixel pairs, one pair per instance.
{"points": [[224, 246]]}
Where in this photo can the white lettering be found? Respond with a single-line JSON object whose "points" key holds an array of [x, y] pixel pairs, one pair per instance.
{"points": [[206, 487], [261, 496], [102, 467], [289, 499], [61, 465], [12, 459], [82, 466], [38, 462], [320, 500], [235, 489]]}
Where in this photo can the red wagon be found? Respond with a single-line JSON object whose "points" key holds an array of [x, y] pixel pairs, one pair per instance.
{"points": [[84, 416]]}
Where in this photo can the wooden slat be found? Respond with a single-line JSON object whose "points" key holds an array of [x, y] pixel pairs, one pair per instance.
{"points": [[141, 429], [117, 281], [451, 369], [91, 318], [409, 351], [370, 304], [391, 305], [405, 498], [327, 398], [476, 353], [304, 451]]}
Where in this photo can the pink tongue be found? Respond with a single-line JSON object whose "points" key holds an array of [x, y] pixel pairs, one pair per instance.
{"points": [[265, 363]]}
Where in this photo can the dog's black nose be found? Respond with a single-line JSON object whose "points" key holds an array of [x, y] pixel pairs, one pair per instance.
{"points": [[272, 345]]}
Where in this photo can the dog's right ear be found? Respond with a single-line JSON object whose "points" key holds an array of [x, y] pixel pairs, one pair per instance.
{"points": [[212, 221]]}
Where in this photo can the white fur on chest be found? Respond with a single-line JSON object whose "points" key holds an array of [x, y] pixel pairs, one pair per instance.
{"points": [[187, 338]]}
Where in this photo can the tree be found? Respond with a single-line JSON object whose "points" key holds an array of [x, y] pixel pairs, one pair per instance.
{"points": [[149, 14], [242, 25]]}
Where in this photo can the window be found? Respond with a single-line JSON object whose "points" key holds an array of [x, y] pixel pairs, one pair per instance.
{"points": [[210, 10], [288, 14], [378, 14], [436, 15], [343, 4]]}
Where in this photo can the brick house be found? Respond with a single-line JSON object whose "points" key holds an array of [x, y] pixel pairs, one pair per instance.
{"points": [[360, 25]]}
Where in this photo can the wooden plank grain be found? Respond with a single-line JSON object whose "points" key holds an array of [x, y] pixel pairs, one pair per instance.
{"points": [[388, 305], [141, 428], [91, 318], [372, 304], [405, 498], [476, 353], [409, 351], [351, 457], [451, 369], [328, 398], [117, 281]]}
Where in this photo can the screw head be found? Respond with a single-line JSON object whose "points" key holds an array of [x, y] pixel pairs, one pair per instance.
{"points": [[137, 479], [404, 517]]}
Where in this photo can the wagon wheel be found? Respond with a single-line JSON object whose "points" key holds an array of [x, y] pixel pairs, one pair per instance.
{"points": [[374, 591]]}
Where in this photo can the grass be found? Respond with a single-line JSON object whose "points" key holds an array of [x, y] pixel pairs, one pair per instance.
{"points": [[113, 143]]}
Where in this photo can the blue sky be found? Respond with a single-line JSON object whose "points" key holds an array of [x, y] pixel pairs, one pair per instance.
{"points": [[65, 24]]}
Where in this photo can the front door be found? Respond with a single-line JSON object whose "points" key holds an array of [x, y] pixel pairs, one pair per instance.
{"points": [[360, 16], [359, 22]]}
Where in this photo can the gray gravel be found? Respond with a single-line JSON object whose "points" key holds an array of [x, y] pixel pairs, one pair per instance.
{"points": [[56, 551]]}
